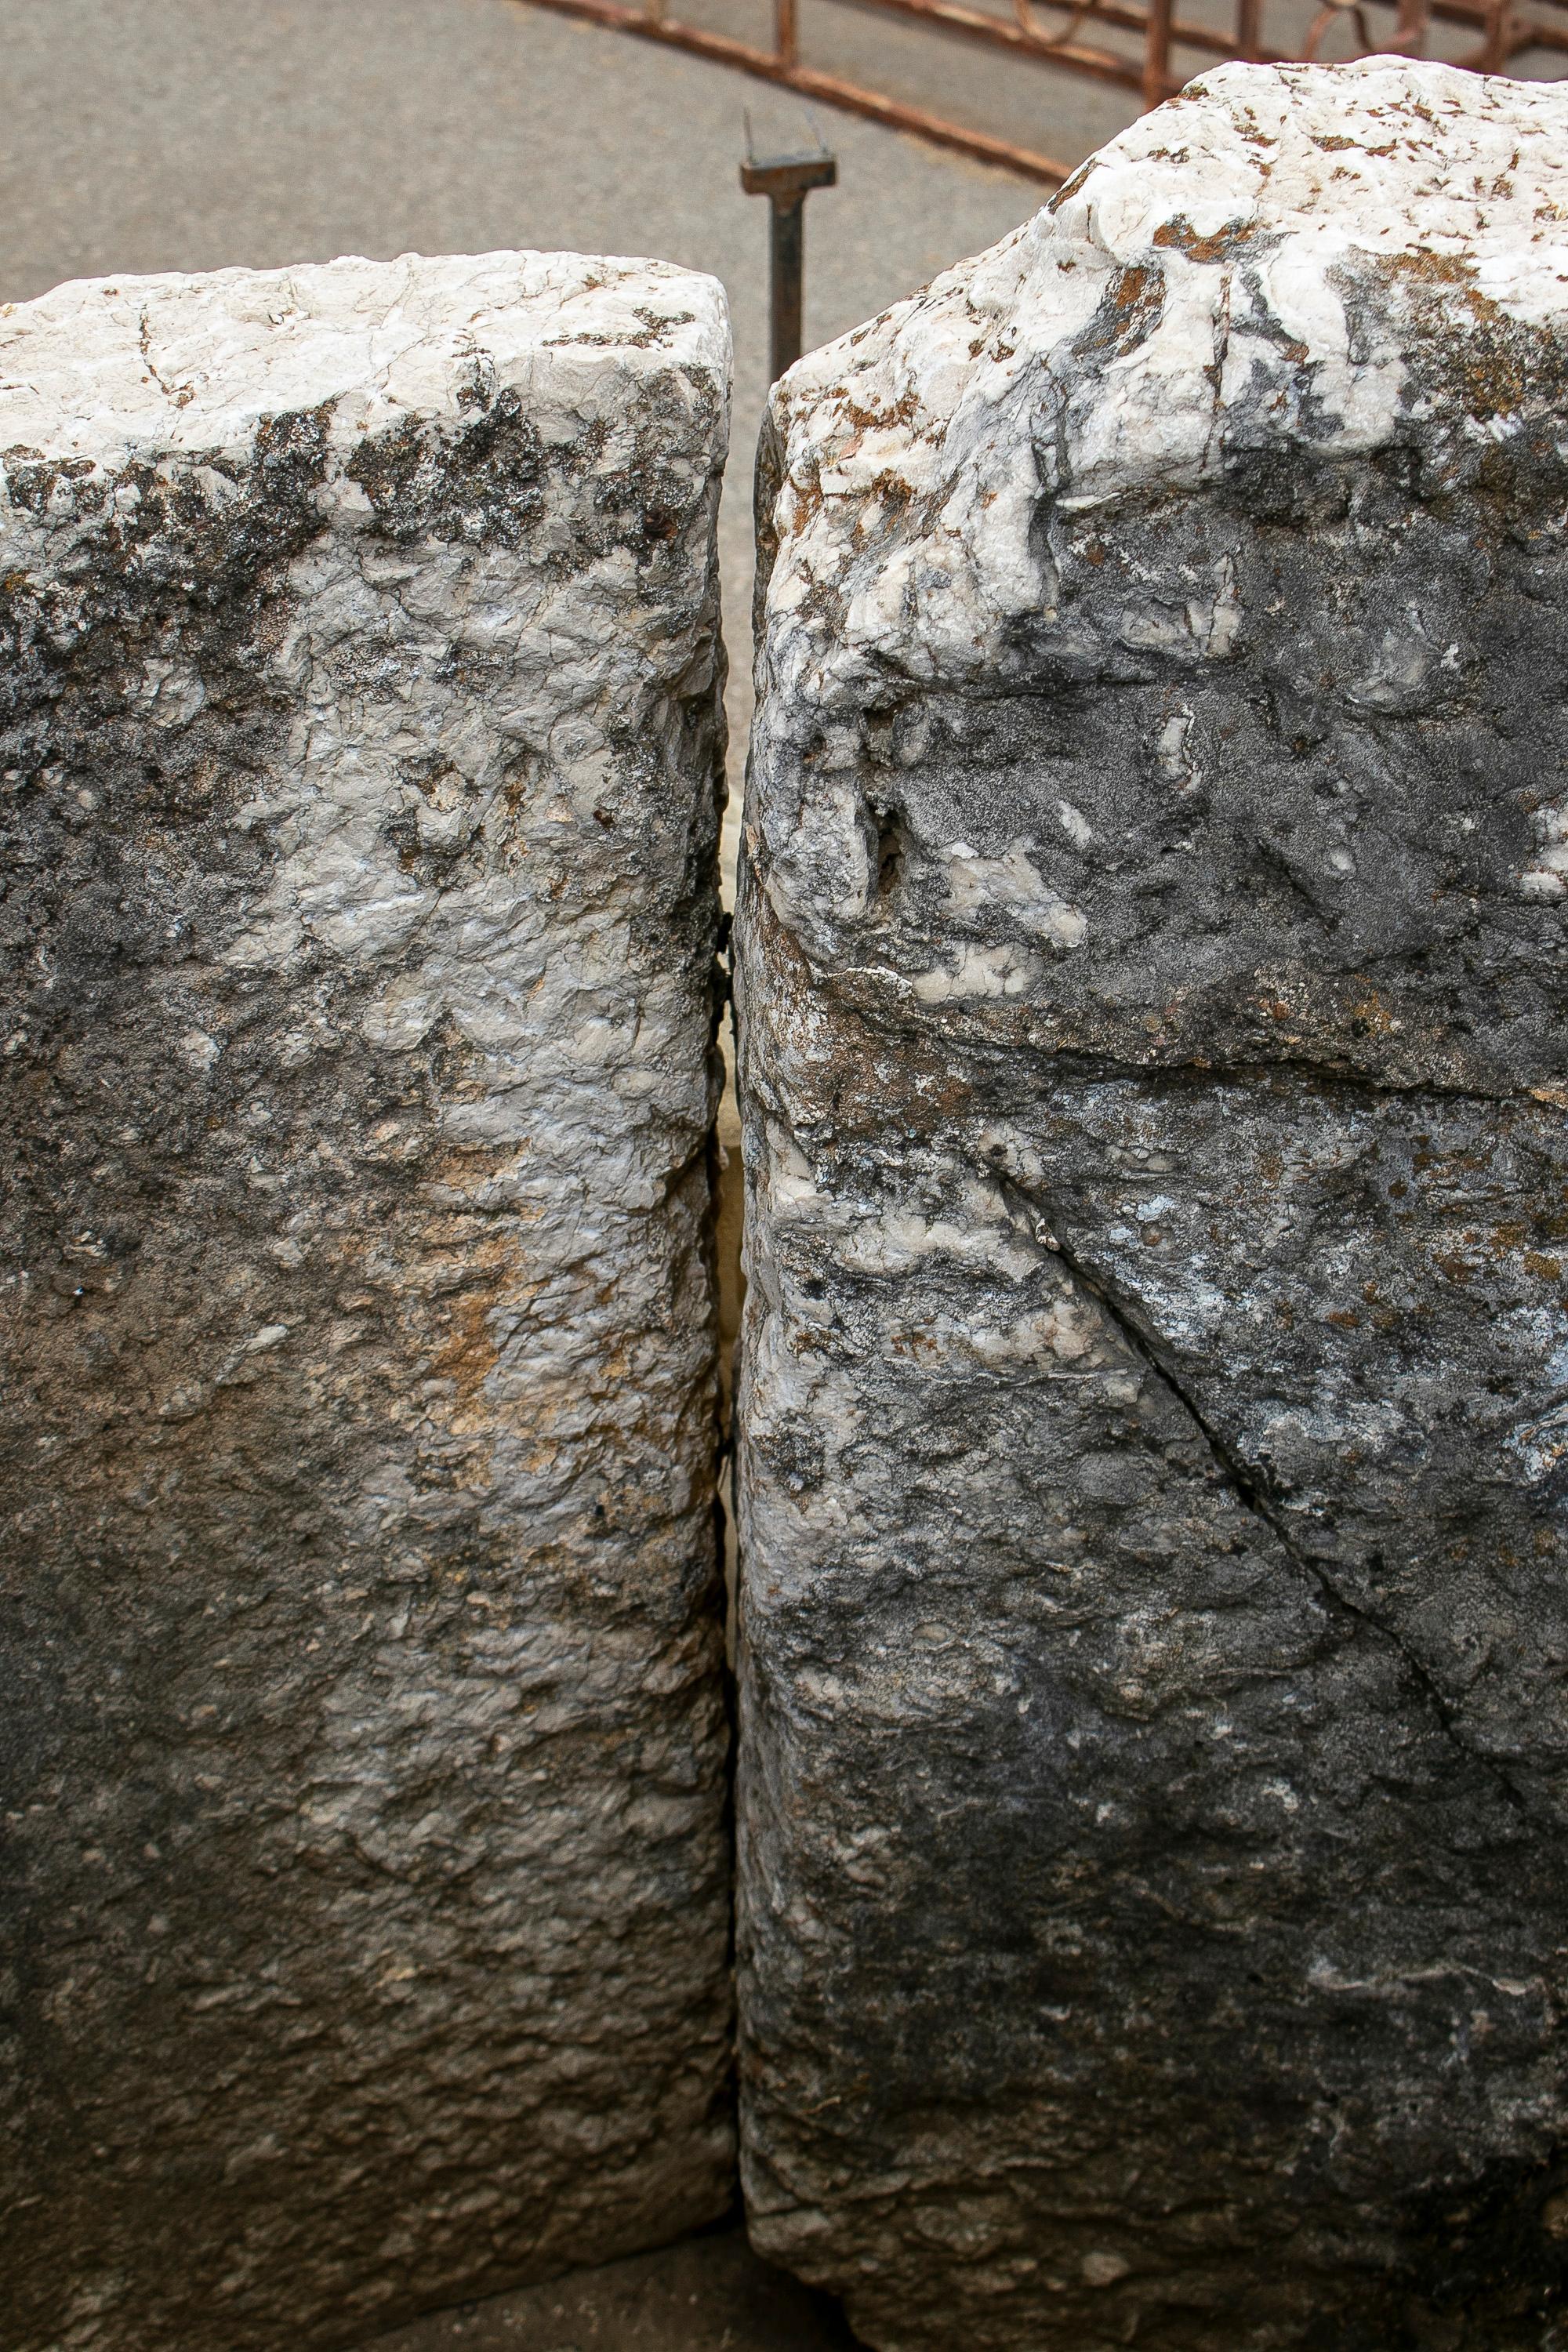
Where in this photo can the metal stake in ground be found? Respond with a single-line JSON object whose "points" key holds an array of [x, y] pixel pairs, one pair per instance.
{"points": [[787, 181]]}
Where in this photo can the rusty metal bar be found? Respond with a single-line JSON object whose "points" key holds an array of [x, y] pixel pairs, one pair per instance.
{"points": [[1505, 33], [1157, 54], [997, 32], [787, 181], [1478, 12], [768, 66], [1000, 32]]}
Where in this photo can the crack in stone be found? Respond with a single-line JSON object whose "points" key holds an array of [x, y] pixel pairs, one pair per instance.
{"points": [[1101, 1065], [1242, 1481]]}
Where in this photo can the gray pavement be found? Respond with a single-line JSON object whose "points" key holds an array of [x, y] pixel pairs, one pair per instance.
{"points": [[186, 134]]}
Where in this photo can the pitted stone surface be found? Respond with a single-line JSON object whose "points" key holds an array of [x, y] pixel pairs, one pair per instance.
{"points": [[364, 1745], [1153, 1754]]}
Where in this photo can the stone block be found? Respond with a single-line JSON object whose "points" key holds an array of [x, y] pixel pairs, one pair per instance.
{"points": [[364, 1750], [1155, 1752]]}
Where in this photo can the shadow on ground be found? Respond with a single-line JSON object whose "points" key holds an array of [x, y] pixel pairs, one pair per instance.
{"points": [[708, 2295]]}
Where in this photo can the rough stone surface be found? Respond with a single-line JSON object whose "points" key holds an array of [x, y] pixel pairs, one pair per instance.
{"points": [[1154, 1760], [363, 1744]]}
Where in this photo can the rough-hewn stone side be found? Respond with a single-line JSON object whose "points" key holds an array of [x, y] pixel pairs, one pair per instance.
{"points": [[1154, 1762], [366, 1900]]}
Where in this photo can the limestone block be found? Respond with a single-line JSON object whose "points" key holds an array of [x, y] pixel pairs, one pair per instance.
{"points": [[1154, 1760], [365, 1748]]}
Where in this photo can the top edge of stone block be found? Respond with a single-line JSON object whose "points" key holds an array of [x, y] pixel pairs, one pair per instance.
{"points": [[1393, 154], [187, 362], [1302, 256]]}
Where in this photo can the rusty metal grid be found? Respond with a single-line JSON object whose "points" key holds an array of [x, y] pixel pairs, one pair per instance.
{"points": [[1060, 33]]}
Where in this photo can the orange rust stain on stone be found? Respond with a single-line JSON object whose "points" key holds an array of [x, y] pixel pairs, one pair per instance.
{"points": [[1218, 246], [469, 1352]]}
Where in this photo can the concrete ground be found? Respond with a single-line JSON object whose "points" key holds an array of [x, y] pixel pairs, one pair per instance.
{"points": [[711, 2294]]}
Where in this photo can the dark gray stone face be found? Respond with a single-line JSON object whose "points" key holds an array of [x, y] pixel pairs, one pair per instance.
{"points": [[366, 1902], [1153, 1743]]}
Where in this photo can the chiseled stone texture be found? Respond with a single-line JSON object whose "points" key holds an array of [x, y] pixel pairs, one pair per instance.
{"points": [[364, 1738], [1154, 1766]]}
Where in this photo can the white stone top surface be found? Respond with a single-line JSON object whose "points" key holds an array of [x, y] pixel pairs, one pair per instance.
{"points": [[1268, 258], [104, 366]]}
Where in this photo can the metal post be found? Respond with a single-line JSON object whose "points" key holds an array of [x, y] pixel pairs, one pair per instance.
{"points": [[786, 41], [787, 181], [787, 273], [1157, 54]]}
